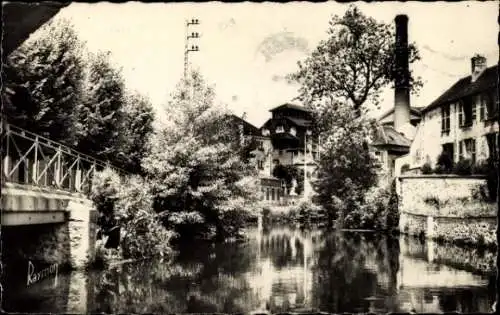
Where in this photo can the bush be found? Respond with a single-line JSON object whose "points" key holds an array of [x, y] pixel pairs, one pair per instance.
{"points": [[444, 163], [143, 234], [463, 167], [373, 212], [307, 212], [127, 205], [488, 168], [426, 168], [405, 168]]}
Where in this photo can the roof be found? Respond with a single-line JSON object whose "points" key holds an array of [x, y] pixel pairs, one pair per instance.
{"points": [[388, 136], [300, 122], [290, 106], [248, 128], [464, 87], [22, 19], [413, 110]]}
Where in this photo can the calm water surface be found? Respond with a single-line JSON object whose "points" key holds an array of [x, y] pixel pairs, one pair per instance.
{"points": [[278, 269]]}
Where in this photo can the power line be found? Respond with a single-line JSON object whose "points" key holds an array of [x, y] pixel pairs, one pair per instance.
{"points": [[193, 48]]}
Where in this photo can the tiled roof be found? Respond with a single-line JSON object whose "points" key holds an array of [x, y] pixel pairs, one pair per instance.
{"points": [[464, 87], [290, 106], [388, 136]]}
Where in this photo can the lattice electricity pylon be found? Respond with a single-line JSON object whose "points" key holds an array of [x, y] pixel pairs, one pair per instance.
{"points": [[30, 159]]}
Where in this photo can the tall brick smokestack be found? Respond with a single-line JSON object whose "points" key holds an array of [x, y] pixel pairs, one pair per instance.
{"points": [[402, 88]]}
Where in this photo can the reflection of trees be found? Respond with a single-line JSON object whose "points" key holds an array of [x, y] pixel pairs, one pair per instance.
{"points": [[201, 279], [341, 280]]}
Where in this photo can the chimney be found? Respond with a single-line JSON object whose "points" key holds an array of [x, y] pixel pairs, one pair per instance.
{"points": [[402, 74], [478, 64]]}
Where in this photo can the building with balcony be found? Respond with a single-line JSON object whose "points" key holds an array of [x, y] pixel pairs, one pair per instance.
{"points": [[293, 140], [260, 151], [460, 122]]}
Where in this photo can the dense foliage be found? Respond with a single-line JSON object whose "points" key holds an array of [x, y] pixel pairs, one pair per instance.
{"points": [[200, 184], [43, 80], [355, 63], [125, 203], [52, 88]]}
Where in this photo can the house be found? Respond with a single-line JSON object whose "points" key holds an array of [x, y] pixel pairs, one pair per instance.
{"points": [[461, 122], [293, 140], [260, 147]]}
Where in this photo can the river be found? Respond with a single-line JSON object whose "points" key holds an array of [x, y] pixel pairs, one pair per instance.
{"points": [[278, 269]]}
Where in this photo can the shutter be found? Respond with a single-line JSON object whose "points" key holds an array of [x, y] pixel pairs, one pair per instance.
{"points": [[460, 115]]}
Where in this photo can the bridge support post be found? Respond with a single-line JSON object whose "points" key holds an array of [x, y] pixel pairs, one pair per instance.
{"points": [[82, 231]]}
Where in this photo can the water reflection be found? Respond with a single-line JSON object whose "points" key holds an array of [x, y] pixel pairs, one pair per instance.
{"points": [[280, 269]]}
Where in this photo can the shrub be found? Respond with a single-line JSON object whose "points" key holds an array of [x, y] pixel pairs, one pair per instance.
{"points": [[444, 162], [372, 212], [463, 167], [405, 168], [426, 168], [143, 233], [487, 167], [127, 205], [307, 212]]}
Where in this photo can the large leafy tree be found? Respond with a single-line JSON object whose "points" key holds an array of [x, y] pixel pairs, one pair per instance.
{"points": [[101, 114], [354, 64], [136, 130], [200, 182], [43, 82], [344, 73]]}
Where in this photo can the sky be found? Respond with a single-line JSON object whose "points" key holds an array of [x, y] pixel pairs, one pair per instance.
{"points": [[247, 48]]}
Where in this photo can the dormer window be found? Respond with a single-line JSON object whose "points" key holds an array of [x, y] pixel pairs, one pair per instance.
{"points": [[265, 132], [280, 129], [293, 131]]}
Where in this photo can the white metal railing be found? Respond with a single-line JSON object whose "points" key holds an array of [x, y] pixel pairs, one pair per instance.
{"points": [[28, 158]]}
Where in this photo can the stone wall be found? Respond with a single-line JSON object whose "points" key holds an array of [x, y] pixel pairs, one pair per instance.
{"points": [[70, 243], [447, 208]]}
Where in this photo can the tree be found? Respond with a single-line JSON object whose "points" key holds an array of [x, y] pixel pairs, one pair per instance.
{"points": [[44, 78], [137, 128], [100, 115], [199, 182], [347, 169], [353, 64]]}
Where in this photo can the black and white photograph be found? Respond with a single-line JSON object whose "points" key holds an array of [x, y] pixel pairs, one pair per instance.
{"points": [[250, 157]]}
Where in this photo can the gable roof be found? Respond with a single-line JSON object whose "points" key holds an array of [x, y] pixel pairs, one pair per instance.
{"points": [[464, 87], [388, 136], [290, 106], [248, 128]]}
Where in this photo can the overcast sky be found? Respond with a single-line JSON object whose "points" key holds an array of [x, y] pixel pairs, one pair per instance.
{"points": [[247, 48]]}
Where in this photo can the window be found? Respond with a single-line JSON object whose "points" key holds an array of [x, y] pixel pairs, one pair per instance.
{"points": [[293, 131], [260, 164], [467, 149], [491, 101], [272, 193], [267, 193], [280, 129], [260, 145], [445, 119], [482, 108], [466, 112], [492, 139]]}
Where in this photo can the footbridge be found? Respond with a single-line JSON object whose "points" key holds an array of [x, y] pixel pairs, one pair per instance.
{"points": [[47, 215]]}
